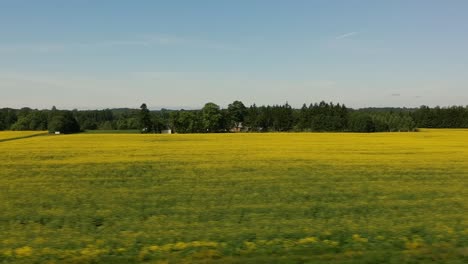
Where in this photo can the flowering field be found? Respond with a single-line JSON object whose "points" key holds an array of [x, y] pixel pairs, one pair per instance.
{"points": [[8, 135], [235, 198]]}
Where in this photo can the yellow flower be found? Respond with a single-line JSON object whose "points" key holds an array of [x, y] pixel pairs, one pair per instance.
{"points": [[250, 246], [180, 246], [154, 248], [307, 240], [331, 243], [7, 252], [25, 251], [359, 239]]}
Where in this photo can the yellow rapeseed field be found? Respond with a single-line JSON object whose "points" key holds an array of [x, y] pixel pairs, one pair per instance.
{"points": [[235, 198], [5, 135]]}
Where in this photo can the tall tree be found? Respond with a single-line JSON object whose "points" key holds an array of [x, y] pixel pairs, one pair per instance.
{"points": [[64, 122], [252, 117], [236, 112], [212, 117], [145, 119]]}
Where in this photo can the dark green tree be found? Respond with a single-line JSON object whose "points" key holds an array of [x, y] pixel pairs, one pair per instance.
{"points": [[9, 117], [303, 121], [212, 118], [63, 122], [2, 121], [361, 122], [236, 113], [145, 119], [38, 120], [22, 123], [252, 117]]}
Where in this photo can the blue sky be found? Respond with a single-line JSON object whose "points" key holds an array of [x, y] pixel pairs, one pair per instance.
{"points": [[99, 54]]}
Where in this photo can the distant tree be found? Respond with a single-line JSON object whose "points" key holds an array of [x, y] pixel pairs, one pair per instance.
{"points": [[107, 125], [197, 124], [25, 111], [2, 121], [164, 117], [22, 123], [184, 121], [382, 122], [132, 122], [236, 113], [321, 116], [226, 123], [9, 117], [424, 117], [265, 118], [252, 117], [88, 125], [303, 120], [175, 123], [52, 112], [361, 122], [30, 120], [145, 119], [38, 120], [282, 117], [64, 122], [158, 124], [212, 117]]}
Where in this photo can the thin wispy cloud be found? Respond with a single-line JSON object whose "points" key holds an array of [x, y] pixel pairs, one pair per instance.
{"points": [[149, 40], [35, 48], [190, 41], [60, 47], [346, 35]]}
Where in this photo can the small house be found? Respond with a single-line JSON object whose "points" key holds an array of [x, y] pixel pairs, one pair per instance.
{"points": [[166, 131], [239, 127]]}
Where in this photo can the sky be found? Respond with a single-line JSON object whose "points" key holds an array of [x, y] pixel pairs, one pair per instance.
{"points": [[182, 54]]}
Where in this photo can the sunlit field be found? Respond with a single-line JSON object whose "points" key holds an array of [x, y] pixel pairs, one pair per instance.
{"points": [[8, 135], [235, 198]]}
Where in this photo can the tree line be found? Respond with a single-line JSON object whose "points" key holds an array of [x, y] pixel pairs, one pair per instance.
{"points": [[317, 117]]}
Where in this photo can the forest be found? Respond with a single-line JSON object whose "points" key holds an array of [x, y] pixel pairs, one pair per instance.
{"points": [[316, 117]]}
